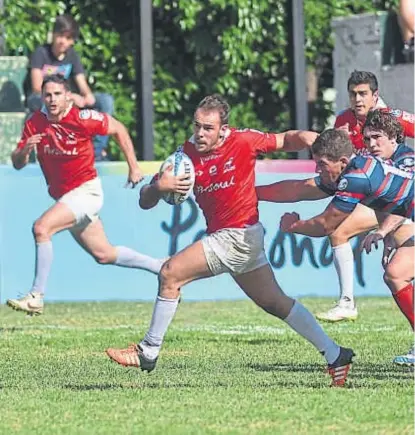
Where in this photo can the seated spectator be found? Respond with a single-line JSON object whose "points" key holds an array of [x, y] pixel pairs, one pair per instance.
{"points": [[59, 57], [407, 24]]}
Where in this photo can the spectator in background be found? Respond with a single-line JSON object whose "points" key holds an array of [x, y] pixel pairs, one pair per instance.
{"points": [[406, 19], [59, 57]]}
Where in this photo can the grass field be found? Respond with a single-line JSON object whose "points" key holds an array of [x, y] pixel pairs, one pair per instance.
{"points": [[226, 367]]}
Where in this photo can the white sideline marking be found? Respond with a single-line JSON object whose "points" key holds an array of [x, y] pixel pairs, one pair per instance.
{"points": [[216, 329]]}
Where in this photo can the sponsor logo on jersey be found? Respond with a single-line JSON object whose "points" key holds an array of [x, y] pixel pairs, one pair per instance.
{"points": [[98, 116], [342, 184], [85, 114], [213, 170], [207, 158], [93, 114], [397, 113], [48, 150], [213, 187], [228, 166], [407, 162], [408, 117]]}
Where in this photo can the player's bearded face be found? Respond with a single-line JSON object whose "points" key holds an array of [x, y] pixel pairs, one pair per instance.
{"points": [[56, 99], [207, 129], [329, 170], [379, 144], [362, 99]]}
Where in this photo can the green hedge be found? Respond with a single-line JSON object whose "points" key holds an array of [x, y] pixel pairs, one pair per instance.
{"points": [[235, 47]]}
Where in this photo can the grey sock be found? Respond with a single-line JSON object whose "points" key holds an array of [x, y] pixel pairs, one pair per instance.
{"points": [[127, 257], [163, 313], [44, 258]]}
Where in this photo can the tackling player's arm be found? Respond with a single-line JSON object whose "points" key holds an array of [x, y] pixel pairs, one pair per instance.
{"points": [[20, 156], [351, 191], [122, 137], [291, 191], [319, 226], [294, 140]]}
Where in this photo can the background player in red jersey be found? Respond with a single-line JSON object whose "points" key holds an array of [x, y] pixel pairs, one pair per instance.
{"points": [[61, 134], [224, 160], [364, 97]]}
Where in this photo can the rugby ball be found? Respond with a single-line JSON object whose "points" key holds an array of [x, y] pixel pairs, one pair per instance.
{"points": [[181, 164]]}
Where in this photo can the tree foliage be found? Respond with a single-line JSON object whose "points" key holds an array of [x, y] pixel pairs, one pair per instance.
{"points": [[235, 47]]}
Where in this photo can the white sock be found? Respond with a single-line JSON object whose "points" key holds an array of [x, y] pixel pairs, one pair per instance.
{"points": [[344, 262], [44, 258], [163, 313], [303, 322], [127, 257]]}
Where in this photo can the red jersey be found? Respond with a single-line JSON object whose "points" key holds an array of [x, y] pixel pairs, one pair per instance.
{"points": [[65, 152], [407, 120], [225, 178]]}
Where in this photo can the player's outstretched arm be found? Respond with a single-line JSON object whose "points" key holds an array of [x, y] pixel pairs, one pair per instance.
{"points": [[122, 137], [319, 226], [290, 191], [295, 140]]}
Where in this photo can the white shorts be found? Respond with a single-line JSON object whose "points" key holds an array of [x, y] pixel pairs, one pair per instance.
{"points": [[235, 250], [85, 202]]}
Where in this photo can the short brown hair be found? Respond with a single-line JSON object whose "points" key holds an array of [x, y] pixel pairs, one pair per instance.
{"points": [[383, 120], [216, 102], [66, 24], [332, 144], [56, 78]]}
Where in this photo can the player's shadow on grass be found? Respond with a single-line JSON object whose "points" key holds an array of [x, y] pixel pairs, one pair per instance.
{"points": [[244, 339], [14, 329], [360, 371], [382, 371], [132, 386]]}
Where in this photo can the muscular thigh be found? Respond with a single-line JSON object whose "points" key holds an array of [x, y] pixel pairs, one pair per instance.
{"points": [[403, 233], [57, 218], [92, 237], [187, 265], [261, 286], [360, 220]]}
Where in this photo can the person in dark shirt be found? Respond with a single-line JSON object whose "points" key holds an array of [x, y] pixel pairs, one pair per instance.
{"points": [[59, 57]]}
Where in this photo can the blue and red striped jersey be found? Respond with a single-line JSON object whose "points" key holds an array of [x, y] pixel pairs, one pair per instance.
{"points": [[376, 184]]}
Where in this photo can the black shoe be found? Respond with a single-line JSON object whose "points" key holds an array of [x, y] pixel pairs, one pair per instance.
{"points": [[340, 368]]}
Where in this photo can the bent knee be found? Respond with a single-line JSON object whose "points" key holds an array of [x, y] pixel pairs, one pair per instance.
{"points": [[394, 279], [104, 257], [167, 275], [40, 230], [339, 236]]}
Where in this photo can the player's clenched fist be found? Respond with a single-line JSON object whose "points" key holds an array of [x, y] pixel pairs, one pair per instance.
{"points": [[134, 177], [288, 220], [31, 143]]}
